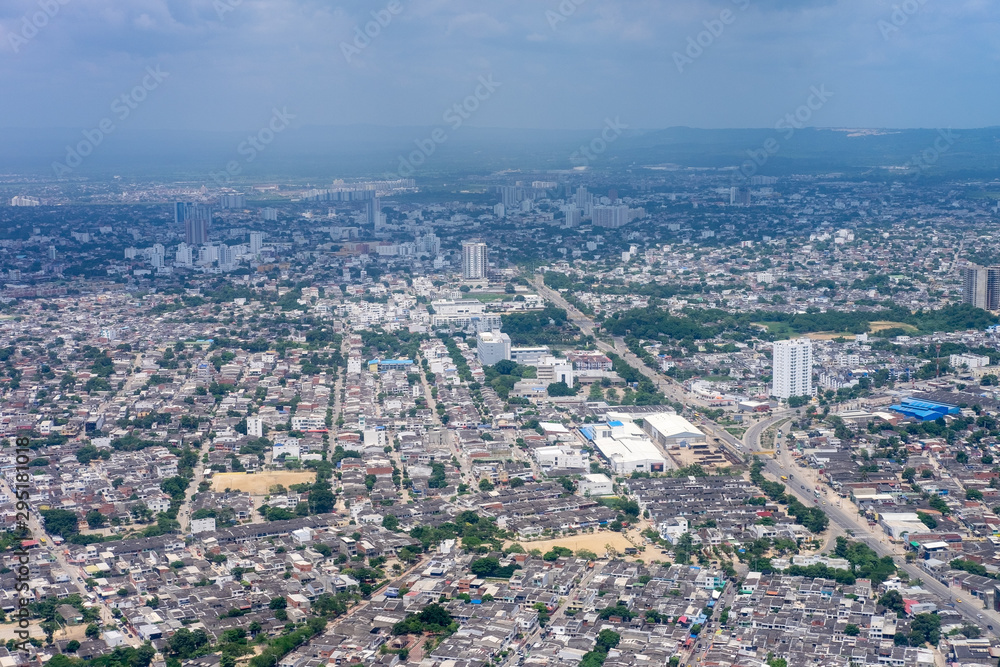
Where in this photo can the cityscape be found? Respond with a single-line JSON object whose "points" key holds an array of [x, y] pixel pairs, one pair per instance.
{"points": [[505, 391]]}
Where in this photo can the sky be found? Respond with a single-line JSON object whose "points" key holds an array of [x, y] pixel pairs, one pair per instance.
{"points": [[543, 64]]}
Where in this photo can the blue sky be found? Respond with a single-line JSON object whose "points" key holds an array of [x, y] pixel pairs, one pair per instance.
{"points": [[559, 65]]}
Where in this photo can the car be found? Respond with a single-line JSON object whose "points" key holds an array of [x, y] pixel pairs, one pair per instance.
{"points": [[989, 627], [979, 615], [802, 486], [959, 600]]}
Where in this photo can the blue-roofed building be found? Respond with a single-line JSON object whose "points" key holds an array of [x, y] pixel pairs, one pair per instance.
{"points": [[924, 410]]}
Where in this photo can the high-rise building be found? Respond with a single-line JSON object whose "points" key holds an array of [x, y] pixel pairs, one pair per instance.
{"points": [[792, 368], [197, 219], [232, 201], [511, 196], [611, 217], [572, 216], [256, 242], [184, 256], [269, 214], [25, 201], [981, 287], [474, 260], [373, 210], [739, 196]]}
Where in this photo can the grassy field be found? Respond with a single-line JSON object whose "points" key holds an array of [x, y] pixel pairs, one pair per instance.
{"points": [[259, 483], [486, 298]]}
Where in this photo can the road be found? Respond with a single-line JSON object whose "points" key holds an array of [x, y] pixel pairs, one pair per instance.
{"points": [[671, 389], [841, 517], [74, 572], [845, 518]]}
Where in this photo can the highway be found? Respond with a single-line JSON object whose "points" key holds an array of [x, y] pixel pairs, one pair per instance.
{"points": [[841, 518], [847, 520]]}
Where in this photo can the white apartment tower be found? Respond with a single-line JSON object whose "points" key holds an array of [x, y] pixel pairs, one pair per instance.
{"points": [[792, 366], [474, 260], [256, 242]]}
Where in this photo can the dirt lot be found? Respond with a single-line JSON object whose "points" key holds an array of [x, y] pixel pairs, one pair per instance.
{"points": [[77, 632], [593, 541], [259, 483]]}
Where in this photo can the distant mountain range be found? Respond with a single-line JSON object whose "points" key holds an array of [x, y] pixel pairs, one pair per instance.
{"points": [[322, 153]]}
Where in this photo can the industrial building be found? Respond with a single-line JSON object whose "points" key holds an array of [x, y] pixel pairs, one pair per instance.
{"points": [[924, 410], [669, 430], [625, 447]]}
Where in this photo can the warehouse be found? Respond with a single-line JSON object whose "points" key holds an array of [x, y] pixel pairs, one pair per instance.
{"points": [[625, 446], [669, 430]]}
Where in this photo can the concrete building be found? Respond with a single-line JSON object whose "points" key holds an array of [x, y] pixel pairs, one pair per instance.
{"points": [[592, 485], [560, 456], [981, 287], [475, 261], [492, 347], [670, 430], [529, 356], [792, 368], [625, 447]]}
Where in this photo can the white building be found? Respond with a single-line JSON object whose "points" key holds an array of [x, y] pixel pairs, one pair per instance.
{"points": [[463, 314], [592, 485], [202, 525], [255, 427], [792, 363], [969, 360], [552, 370], [474, 260], [492, 347], [256, 242], [611, 217], [529, 356], [560, 457], [626, 447], [25, 201], [671, 430]]}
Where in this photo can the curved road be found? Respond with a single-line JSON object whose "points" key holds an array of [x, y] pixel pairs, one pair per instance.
{"points": [[972, 611]]}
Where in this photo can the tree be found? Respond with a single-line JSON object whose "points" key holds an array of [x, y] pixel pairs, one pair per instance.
{"points": [[925, 628], [973, 494], [486, 485], [277, 603], [893, 601], [852, 630], [390, 522], [93, 631], [72, 646], [61, 522], [517, 482], [95, 519], [484, 567], [607, 640], [561, 389]]}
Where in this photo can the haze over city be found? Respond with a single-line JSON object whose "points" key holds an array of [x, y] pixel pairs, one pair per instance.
{"points": [[515, 334]]}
